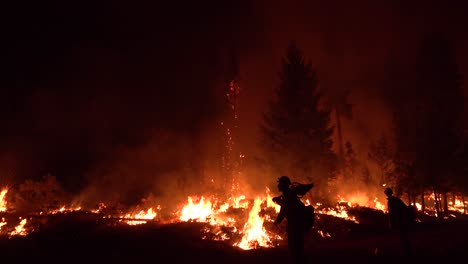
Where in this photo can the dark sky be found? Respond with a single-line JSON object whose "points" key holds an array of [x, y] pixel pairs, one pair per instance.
{"points": [[89, 88]]}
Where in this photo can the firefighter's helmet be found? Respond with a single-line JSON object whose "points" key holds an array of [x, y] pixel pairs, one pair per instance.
{"points": [[388, 191], [284, 182]]}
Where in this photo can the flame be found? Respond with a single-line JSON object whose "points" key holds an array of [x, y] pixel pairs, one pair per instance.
{"points": [[379, 205], [239, 202], [342, 201], [222, 222], [353, 200], [337, 212], [255, 234], [204, 210], [270, 202], [19, 229], [64, 209], [458, 205], [196, 211], [148, 215]]}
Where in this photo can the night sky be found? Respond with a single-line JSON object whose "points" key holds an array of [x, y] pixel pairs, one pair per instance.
{"points": [[122, 92]]}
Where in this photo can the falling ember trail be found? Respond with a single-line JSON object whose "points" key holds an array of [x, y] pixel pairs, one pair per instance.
{"points": [[3, 202]]}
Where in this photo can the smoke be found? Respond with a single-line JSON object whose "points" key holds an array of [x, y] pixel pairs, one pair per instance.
{"points": [[125, 100], [155, 167], [93, 87], [349, 44]]}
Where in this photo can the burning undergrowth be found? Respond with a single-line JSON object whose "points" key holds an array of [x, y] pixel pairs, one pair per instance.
{"points": [[243, 222], [238, 220]]}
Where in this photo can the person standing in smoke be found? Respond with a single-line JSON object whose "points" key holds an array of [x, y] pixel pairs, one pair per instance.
{"points": [[399, 219], [293, 210]]}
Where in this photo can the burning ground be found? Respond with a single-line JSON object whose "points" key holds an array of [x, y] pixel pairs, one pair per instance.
{"points": [[210, 228]]}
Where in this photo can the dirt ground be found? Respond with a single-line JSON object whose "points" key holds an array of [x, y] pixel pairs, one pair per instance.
{"points": [[77, 241]]}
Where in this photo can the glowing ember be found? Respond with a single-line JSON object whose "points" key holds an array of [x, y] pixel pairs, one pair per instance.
{"points": [[255, 234], [323, 234]]}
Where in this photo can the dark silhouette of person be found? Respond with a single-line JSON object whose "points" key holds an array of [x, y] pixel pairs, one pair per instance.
{"points": [[292, 209], [399, 219]]}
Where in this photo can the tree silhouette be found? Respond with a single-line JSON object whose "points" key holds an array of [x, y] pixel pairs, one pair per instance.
{"points": [[441, 94], [342, 108], [296, 134], [427, 103], [402, 97]]}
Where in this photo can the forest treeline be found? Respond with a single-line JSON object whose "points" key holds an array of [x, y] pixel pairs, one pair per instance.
{"points": [[429, 155]]}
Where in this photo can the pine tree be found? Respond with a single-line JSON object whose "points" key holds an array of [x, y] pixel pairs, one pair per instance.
{"points": [[296, 133]]}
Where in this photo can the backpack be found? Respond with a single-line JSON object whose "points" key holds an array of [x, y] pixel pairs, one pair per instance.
{"points": [[412, 212], [301, 189], [309, 211], [309, 217]]}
